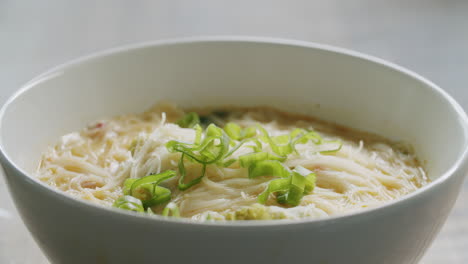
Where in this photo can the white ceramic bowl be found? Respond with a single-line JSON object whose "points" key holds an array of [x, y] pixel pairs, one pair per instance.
{"points": [[335, 84]]}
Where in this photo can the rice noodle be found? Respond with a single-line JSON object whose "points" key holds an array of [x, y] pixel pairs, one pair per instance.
{"points": [[93, 164]]}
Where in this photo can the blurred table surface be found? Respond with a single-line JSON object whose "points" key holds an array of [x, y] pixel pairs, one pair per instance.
{"points": [[426, 36]]}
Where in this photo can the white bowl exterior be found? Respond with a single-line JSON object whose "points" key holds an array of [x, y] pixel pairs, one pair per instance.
{"points": [[75, 233], [298, 78]]}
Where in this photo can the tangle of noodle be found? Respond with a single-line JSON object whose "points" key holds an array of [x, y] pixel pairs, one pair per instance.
{"points": [[94, 163]]}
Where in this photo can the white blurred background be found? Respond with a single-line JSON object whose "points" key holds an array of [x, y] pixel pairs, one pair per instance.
{"points": [[429, 37]]}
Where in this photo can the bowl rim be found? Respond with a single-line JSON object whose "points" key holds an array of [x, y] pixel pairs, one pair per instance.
{"points": [[59, 69]]}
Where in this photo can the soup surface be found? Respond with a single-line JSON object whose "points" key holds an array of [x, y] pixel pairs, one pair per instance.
{"points": [[229, 164]]}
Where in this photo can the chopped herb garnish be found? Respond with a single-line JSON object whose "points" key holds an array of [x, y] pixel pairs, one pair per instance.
{"points": [[219, 144], [130, 203], [237, 133], [247, 160], [268, 168], [215, 146], [290, 190], [184, 186], [189, 120], [171, 210], [211, 149], [140, 194], [147, 190], [329, 151]]}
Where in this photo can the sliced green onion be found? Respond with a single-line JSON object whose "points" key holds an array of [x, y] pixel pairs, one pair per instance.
{"points": [[141, 194], [290, 190], [160, 195], [258, 144], [249, 159], [130, 203], [189, 120], [248, 132], [198, 134], [310, 178], [146, 189], [210, 150], [296, 189], [128, 185], [152, 179], [184, 186], [235, 132], [331, 151], [256, 148], [171, 210], [301, 136], [213, 131], [228, 163], [215, 146], [268, 168], [274, 186], [280, 145]]}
